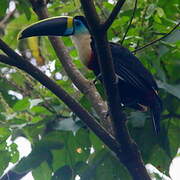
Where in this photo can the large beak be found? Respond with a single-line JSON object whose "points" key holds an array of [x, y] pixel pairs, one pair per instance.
{"points": [[56, 26]]}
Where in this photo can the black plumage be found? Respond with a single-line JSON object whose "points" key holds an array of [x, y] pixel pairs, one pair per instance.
{"points": [[137, 86]]}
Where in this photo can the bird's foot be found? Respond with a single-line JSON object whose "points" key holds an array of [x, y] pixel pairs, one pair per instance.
{"points": [[97, 78], [117, 78], [107, 114], [122, 106]]}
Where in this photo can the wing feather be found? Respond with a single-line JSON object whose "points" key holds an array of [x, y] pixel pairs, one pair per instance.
{"points": [[131, 69]]}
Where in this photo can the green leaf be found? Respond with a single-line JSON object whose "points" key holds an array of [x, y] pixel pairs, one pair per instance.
{"points": [[22, 105], [104, 166], [172, 38], [67, 124], [48, 143], [157, 19], [64, 173], [100, 89], [18, 78], [40, 110], [172, 89], [150, 11], [4, 161], [159, 159], [4, 6], [3, 145], [137, 119], [35, 102], [14, 153], [36, 119], [14, 27], [108, 5], [96, 142], [32, 161], [85, 103], [24, 6], [76, 149], [160, 12], [81, 168], [40, 153], [160, 72], [106, 170], [42, 172], [147, 131], [173, 135], [83, 140], [33, 131], [4, 133]]}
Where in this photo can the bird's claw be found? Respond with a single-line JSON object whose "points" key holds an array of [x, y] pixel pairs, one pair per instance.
{"points": [[97, 78], [116, 79]]}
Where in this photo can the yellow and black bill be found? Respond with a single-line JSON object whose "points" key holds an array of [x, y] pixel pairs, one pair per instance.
{"points": [[56, 26]]}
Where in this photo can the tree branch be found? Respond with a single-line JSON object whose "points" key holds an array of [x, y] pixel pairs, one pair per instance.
{"points": [[105, 62], [113, 15], [129, 154], [18, 61], [155, 41], [85, 86], [4, 21], [132, 17]]}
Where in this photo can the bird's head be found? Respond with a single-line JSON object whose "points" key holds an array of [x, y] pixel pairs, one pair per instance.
{"points": [[56, 26]]}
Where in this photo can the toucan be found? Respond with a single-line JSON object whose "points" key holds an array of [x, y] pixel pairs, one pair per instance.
{"points": [[138, 89]]}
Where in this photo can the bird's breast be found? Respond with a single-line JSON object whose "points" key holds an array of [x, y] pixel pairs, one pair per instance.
{"points": [[82, 43]]}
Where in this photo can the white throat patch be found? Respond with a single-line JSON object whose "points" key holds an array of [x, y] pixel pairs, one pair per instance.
{"points": [[82, 43]]}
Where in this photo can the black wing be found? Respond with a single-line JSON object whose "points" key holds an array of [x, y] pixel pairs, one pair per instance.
{"points": [[129, 68]]}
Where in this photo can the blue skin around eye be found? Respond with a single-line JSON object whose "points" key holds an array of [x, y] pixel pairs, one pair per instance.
{"points": [[80, 28], [68, 31]]}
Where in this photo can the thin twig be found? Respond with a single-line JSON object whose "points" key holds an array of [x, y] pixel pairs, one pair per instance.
{"points": [[104, 15], [6, 18], [171, 115], [113, 15], [132, 17], [149, 44], [144, 12]]}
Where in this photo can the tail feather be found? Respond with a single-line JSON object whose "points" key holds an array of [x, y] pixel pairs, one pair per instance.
{"points": [[156, 109]]}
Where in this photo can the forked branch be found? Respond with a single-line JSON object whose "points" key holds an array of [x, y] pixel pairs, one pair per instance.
{"points": [[113, 15]]}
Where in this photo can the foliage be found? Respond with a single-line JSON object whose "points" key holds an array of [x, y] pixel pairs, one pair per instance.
{"points": [[62, 146]]}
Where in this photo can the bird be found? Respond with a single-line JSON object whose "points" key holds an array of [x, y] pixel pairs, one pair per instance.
{"points": [[138, 89]]}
